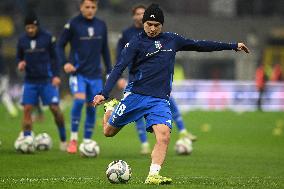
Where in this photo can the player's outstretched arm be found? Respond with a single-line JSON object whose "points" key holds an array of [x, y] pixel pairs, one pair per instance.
{"points": [[183, 44], [243, 47]]}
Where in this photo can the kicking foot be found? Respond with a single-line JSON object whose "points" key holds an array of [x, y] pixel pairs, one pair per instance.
{"points": [[72, 147], [157, 180], [111, 104]]}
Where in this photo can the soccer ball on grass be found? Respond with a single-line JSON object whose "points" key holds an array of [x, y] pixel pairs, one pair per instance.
{"points": [[118, 171], [43, 142]]}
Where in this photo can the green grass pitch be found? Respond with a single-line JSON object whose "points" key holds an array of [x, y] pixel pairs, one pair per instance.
{"points": [[233, 151]]}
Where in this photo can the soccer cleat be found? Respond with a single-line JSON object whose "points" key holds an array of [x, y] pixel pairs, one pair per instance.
{"points": [[72, 147], [145, 148], [188, 135], [157, 180], [63, 146], [110, 105]]}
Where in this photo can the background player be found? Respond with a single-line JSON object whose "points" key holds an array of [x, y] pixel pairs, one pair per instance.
{"points": [[151, 58], [36, 55], [87, 36], [127, 34]]}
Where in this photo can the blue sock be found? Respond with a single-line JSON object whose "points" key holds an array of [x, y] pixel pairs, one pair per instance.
{"points": [[176, 115], [76, 114], [62, 133], [27, 133], [179, 122], [90, 122], [140, 126]]}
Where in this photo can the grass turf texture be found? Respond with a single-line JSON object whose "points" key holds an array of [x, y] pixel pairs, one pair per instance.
{"points": [[233, 151]]}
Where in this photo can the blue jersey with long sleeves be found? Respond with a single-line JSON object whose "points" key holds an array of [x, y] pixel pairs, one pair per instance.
{"points": [[126, 36], [151, 62], [88, 40], [39, 52]]}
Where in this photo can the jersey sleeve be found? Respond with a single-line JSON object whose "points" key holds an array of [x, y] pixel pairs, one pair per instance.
{"points": [[183, 44], [65, 37], [105, 52], [127, 56], [55, 65], [20, 52]]}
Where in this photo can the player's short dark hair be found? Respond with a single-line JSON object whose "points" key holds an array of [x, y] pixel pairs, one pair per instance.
{"points": [[95, 1], [140, 6]]}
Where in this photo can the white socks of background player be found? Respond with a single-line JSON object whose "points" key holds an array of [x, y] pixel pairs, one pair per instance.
{"points": [[74, 136], [154, 169]]}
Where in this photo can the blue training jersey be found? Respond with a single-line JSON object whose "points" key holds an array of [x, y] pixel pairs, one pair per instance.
{"points": [[89, 41], [39, 52], [151, 62]]}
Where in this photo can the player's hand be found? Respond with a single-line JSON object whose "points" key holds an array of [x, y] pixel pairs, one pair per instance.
{"points": [[242, 47], [56, 81], [22, 66], [98, 99], [69, 68], [121, 83]]}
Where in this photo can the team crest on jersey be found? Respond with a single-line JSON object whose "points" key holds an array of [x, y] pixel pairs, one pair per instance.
{"points": [[91, 31], [158, 44], [33, 44]]}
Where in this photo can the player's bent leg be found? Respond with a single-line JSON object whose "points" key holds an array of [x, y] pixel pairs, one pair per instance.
{"points": [[27, 120], [162, 134], [109, 130], [59, 120]]}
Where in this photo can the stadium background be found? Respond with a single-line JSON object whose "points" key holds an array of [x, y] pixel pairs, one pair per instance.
{"points": [[259, 23]]}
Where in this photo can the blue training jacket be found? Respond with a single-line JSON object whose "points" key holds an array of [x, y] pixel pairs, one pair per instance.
{"points": [[39, 52], [151, 62], [89, 41]]}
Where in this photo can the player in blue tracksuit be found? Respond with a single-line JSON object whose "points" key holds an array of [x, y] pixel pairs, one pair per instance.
{"points": [[87, 36], [150, 57], [127, 34], [36, 55]]}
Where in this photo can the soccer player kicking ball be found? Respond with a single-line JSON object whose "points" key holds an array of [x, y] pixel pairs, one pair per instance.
{"points": [[150, 57], [127, 34], [87, 36], [36, 55]]}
